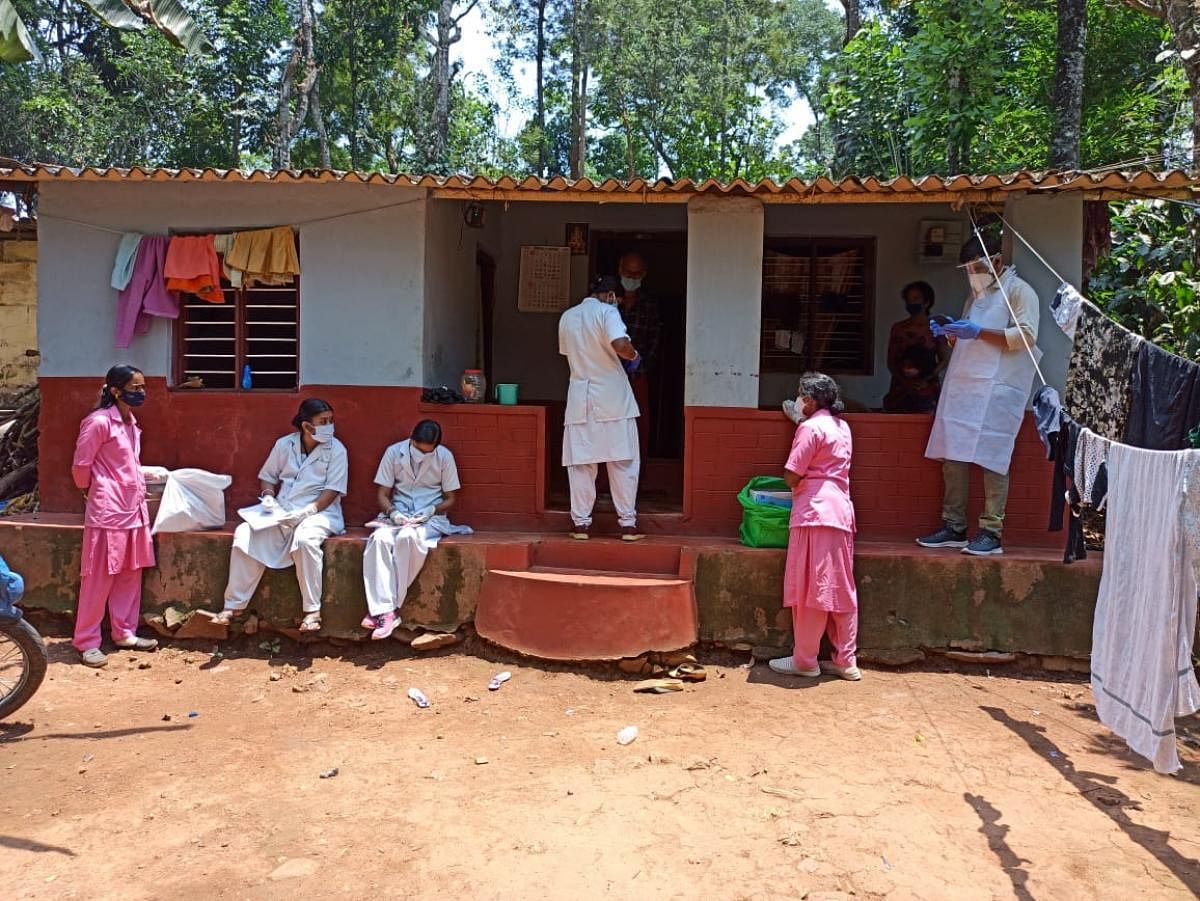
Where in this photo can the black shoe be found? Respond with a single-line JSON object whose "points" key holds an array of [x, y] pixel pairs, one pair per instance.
{"points": [[945, 537], [985, 544]]}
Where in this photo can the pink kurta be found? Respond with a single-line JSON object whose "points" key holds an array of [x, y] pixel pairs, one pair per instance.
{"points": [[116, 535], [820, 560]]}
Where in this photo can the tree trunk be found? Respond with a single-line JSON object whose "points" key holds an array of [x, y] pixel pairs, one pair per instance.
{"points": [[1067, 102], [1183, 16], [854, 21], [954, 93], [447, 34], [579, 88], [540, 68], [308, 101], [352, 62]]}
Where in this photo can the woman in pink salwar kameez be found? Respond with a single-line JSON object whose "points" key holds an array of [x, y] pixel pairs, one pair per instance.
{"points": [[818, 583], [116, 525]]}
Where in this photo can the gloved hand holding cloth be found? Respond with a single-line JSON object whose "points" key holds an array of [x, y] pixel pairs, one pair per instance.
{"points": [[295, 517], [956, 328]]}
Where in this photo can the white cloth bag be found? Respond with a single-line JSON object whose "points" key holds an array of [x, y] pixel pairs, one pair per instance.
{"points": [[192, 499]]}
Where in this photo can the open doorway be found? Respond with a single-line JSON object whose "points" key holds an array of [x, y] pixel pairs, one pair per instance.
{"points": [[664, 287]]}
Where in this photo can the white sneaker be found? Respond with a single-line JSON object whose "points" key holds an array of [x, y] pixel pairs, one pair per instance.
{"points": [[849, 673], [94, 657], [786, 666], [133, 643]]}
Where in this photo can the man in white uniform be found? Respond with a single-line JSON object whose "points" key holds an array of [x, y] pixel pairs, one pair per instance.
{"points": [[984, 394], [601, 417]]}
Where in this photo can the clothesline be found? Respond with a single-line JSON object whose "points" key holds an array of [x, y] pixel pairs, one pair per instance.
{"points": [[313, 221]]}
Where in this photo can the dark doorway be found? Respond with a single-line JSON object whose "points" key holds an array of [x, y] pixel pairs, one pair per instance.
{"points": [[665, 254], [485, 268]]}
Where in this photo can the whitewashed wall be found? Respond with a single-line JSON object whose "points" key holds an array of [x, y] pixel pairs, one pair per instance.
{"points": [[362, 279]]}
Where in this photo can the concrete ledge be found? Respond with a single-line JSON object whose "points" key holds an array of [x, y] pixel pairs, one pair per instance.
{"points": [[1026, 601]]}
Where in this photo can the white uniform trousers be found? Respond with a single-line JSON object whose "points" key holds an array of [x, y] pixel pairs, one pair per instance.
{"points": [[622, 481], [391, 563], [307, 556]]}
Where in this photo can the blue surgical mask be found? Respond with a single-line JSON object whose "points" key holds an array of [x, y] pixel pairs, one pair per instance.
{"points": [[914, 309], [323, 433], [630, 284], [133, 398]]}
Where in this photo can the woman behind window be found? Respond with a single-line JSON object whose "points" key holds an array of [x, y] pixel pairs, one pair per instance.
{"points": [[417, 481], [304, 479], [818, 583], [116, 526], [916, 358]]}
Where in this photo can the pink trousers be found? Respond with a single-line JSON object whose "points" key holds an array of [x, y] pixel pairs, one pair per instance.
{"points": [[123, 594], [808, 625]]}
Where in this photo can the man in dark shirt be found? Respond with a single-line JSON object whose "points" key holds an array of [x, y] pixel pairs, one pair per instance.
{"points": [[642, 320]]}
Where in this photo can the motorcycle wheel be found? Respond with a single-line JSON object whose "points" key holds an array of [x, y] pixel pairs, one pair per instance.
{"points": [[22, 665]]}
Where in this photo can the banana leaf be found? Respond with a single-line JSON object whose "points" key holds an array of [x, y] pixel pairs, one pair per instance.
{"points": [[167, 16], [16, 46]]}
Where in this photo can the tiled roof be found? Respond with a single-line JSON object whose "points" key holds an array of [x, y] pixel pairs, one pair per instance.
{"points": [[1107, 184]]}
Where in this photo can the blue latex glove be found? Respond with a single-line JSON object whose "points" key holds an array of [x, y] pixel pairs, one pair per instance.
{"points": [[962, 328], [632, 366], [936, 330]]}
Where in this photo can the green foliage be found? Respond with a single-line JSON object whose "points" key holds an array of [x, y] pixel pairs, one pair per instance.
{"points": [[935, 85], [1150, 282]]}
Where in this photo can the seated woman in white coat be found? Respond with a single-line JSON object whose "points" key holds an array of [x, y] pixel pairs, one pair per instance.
{"points": [[304, 480], [417, 481]]}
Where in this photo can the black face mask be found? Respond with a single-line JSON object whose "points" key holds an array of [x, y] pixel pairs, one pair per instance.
{"points": [[133, 399], [915, 309]]}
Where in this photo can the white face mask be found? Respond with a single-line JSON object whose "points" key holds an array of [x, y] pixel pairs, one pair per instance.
{"points": [[322, 433], [630, 284], [981, 279], [416, 453]]}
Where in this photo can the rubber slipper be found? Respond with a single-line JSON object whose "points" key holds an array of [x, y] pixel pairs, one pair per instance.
{"points": [[689, 672], [418, 697], [498, 680], [310, 624], [658, 686]]}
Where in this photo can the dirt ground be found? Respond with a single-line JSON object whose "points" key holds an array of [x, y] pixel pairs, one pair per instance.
{"points": [[910, 784]]}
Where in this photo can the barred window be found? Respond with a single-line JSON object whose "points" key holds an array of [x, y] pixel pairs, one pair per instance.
{"points": [[257, 327], [818, 305]]}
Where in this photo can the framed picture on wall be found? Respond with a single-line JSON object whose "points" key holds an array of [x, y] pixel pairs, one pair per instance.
{"points": [[577, 238]]}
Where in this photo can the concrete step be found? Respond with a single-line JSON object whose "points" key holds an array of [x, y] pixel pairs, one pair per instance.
{"points": [[649, 555], [585, 614]]}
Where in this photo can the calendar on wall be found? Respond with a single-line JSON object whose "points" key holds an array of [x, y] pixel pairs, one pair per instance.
{"points": [[545, 285]]}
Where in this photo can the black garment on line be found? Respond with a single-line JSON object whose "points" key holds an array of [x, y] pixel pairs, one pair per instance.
{"points": [[1062, 453], [1165, 400]]}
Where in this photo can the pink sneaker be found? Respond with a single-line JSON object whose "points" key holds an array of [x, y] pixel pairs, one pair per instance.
{"points": [[368, 622], [385, 625]]}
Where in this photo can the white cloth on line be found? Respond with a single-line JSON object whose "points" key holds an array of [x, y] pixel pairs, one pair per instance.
{"points": [[1142, 675], [986, 388], [304, 550], [600, 401], [1091, 453], [1065, 308], [622, 483], [127, 249], [394, 558]]}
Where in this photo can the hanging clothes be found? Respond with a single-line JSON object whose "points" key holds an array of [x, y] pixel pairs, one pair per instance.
{"points": [[1100, 373], [1165, 400], [1091, 468], [265, 256], [223, 244], [191, 267], [1047, 415], [1065, 500], [126, 256], [1065, 308], [146, 294], [1142, 675]]}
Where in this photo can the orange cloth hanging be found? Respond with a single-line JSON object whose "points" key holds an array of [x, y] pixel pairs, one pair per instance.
{"points": [[266, 256], [192, 267]]}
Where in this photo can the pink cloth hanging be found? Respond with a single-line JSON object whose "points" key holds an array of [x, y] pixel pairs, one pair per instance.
{"points": [[146, 294]]}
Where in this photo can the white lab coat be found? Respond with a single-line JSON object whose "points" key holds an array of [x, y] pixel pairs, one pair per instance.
{"points": [[985, 390], [599, 424], [300, 480], [394, 556]]}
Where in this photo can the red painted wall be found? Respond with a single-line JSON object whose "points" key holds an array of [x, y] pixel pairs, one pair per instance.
{"points": [[897, 492], [503, 453], [232, 433]]}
